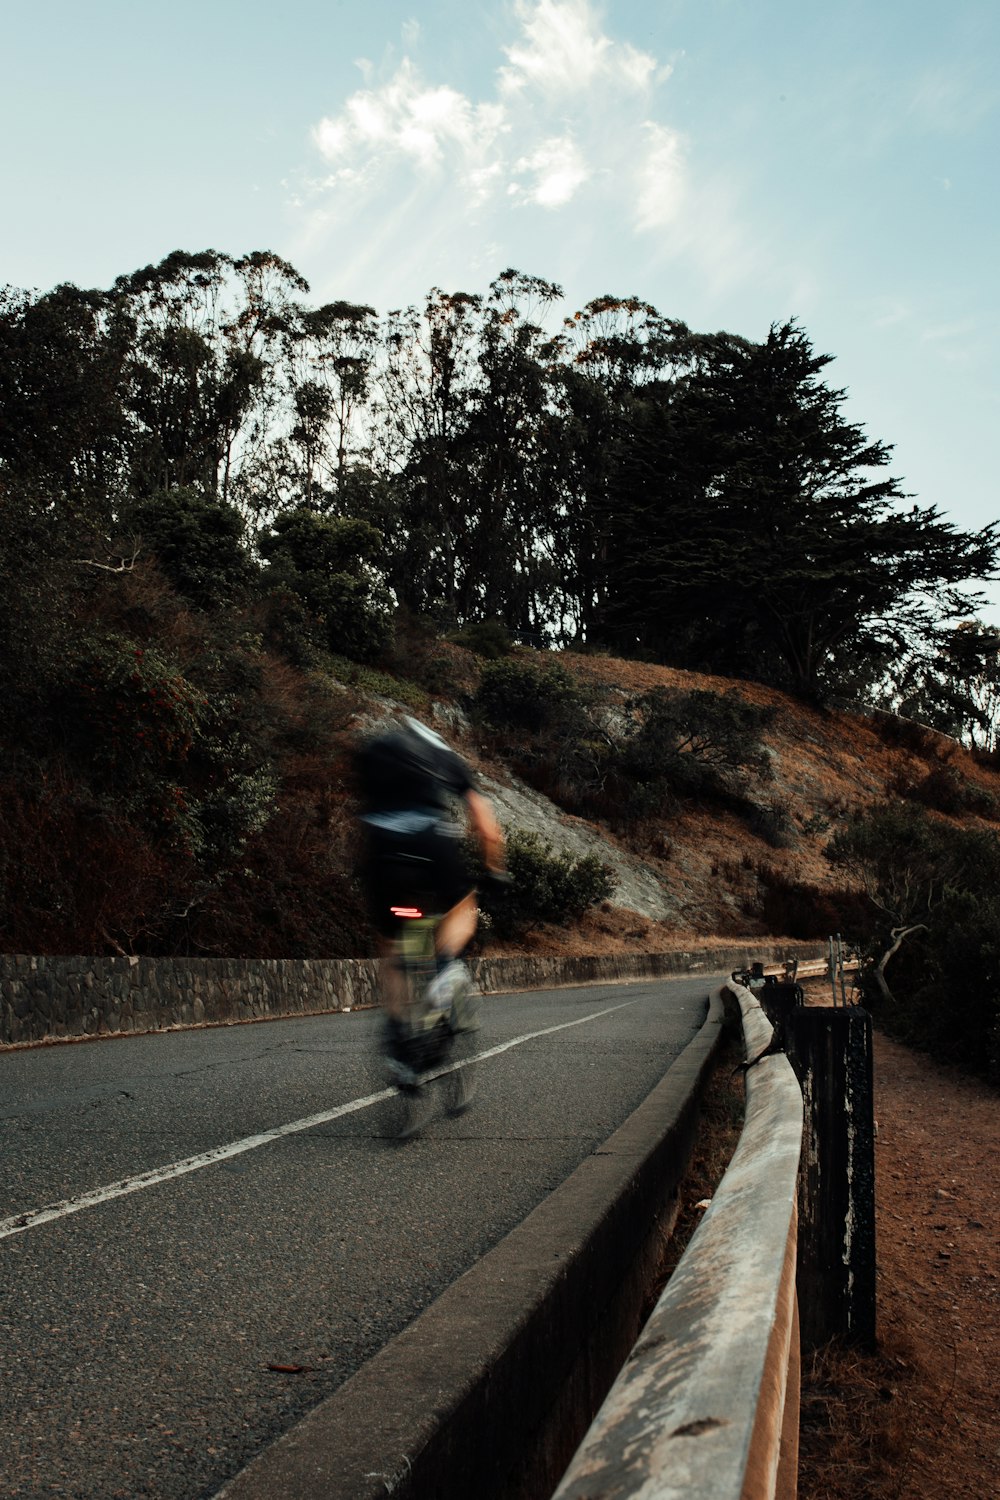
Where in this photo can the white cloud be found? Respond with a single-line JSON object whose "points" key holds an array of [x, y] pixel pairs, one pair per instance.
{"points": [[406, 118], [571, 134], [558, 169], [561, 72], [563, 52], [660, 177]]}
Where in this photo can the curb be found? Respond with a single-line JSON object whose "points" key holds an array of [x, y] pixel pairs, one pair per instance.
{"points": [[491, 1388]]}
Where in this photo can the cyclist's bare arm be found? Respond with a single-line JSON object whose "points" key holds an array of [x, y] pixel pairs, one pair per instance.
{"points": [[487, 830]]}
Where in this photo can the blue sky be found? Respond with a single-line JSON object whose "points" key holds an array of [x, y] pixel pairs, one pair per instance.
{"points": [[734, 162]]}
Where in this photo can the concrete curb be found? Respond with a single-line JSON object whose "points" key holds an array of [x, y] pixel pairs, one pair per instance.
{"points": [[489, 1390], [706, 1407]]}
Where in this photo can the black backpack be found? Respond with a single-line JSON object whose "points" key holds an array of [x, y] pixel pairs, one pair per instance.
{"points": [[402, 768]]}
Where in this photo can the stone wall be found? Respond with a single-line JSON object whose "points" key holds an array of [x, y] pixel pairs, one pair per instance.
{"points": [[55, 998]]}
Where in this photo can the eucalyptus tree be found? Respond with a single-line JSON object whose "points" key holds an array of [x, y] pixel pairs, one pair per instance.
{"points": [[64, 432], [201, 390], [514, 454], [330, 353], [427, 381], [608, 352]]}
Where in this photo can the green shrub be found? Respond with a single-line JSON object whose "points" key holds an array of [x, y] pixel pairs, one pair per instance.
{"points": [[437, 674], [689, 745], [937, 887], [487, 638], [334, 565], [772, 822], [376, 683], [198, 543], [945, 790], [547, 885], [516, 693]]}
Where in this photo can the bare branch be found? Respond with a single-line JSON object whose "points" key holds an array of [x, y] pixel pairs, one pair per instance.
{"points": [[898, 935], [121, 566]]}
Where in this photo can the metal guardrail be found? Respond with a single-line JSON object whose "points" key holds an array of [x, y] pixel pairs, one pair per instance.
{"points": [[706, 1406]]}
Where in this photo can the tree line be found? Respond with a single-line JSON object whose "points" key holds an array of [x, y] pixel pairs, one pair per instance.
{"points": [[609, 479]]}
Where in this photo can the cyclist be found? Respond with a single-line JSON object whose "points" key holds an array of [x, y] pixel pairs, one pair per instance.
{"points": [[411, 785]]}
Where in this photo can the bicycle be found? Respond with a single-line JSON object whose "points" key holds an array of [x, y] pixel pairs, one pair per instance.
{"points": [[437, 1042]]}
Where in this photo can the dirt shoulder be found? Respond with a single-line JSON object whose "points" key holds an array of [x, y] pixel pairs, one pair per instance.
{"points": [[920, 1419]]}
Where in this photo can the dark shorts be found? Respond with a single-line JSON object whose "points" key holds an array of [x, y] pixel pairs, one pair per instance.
{"points": [[428, 872]]}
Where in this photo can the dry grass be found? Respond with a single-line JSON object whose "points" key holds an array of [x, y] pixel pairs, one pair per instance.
{"points": [[719, 1131], [856, 1425]]}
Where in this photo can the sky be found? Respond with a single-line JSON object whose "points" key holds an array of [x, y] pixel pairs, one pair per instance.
{"points": [[734, 162]]}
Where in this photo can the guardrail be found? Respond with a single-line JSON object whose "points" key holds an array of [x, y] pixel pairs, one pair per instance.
{"points": [[706, 1406]]}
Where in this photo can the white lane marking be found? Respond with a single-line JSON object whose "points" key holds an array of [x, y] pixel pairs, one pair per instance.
{"points": [[18, 1223]]}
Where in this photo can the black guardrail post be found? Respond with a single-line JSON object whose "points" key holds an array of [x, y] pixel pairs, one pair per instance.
{"points": [[831, 1053]]}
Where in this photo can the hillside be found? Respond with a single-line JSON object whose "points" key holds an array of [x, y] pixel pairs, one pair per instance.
{"points": [[704, 872]]}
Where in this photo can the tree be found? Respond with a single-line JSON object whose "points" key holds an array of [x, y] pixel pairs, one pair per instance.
{"points": [[512, 454], [201, 381], [333, 566], [747, 498], [64, 428], [199, 544], [421, 416], [610, 350]]}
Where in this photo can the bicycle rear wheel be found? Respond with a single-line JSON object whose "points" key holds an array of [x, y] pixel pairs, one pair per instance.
{"points": [[414, 1112], [459, 1085]]}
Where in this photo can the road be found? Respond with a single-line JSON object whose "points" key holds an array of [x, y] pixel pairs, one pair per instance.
{"points": [[140, 1320]]}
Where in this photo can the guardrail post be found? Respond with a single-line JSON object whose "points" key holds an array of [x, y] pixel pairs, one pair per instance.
{"points": [[831, 1052]]}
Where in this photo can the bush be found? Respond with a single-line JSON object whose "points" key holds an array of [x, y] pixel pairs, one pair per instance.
{"points": [[939, 887], [335, 568], [376, 683], [198, 543], [946, 791], [772, 822], [547, 885], [516, 693], [688, 746], [487, 638]]}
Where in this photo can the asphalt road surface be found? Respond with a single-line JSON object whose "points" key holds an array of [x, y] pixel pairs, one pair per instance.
{"points": [[181, 1213]]}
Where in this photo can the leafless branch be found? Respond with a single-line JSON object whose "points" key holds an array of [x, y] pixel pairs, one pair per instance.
{"points": [[121, 566]]}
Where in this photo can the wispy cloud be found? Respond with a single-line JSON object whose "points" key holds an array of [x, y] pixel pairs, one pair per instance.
{"points": [[562, 52], [572, 131]]}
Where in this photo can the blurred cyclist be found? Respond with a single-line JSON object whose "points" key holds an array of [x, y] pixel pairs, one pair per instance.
{"points": [[412, 785]]}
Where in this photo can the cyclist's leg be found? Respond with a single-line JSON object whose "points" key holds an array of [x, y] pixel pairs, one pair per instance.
{"points": [[457, 928], [392, 978]]}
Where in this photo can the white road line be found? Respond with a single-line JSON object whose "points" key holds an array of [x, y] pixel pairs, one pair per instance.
{"points": [[18, 1223]]}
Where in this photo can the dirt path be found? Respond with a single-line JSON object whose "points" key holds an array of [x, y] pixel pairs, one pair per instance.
{"points": [[938, 1227], [921, 1419]]}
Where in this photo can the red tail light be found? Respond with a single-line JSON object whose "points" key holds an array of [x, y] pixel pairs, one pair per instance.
{"points": [[406, 911]]}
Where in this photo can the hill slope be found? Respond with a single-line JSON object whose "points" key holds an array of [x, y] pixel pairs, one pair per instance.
{"points": [[705, 870]]}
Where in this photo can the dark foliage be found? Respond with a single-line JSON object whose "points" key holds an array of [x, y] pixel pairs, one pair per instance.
{"points": [[694, 745], [937, 887], [547, 885], [803, 910], [946, 791]]}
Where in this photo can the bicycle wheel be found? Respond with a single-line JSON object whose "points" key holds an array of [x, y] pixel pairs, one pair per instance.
{"points": [[460, 1083], [414, 1111]]}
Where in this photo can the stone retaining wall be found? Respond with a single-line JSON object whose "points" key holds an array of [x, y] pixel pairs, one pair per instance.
{"points": [[55, 998]]}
